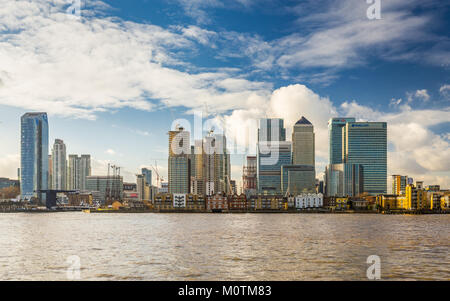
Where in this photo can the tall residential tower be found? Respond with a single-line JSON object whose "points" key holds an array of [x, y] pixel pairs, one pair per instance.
{"points": [[59, 165], [34, 156]]}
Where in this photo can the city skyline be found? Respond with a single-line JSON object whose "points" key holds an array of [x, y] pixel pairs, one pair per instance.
{"points": [[235, 145], [350, 160], [233, 70]]}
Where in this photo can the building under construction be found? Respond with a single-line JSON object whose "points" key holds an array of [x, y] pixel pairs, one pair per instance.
{"points": [[106, 189]]}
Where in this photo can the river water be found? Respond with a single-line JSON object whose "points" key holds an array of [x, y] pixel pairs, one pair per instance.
{"points": [[120, 246]]}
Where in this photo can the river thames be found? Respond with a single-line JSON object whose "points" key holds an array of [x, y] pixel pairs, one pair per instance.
{"points": [[150, 246]]}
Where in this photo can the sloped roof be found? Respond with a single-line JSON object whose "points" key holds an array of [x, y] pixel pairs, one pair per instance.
{"points": [[304, 121]]}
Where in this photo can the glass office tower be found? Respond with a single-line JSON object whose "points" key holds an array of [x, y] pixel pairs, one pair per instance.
{"points": [[271, 157], [34, 156], [272, 152], [335, 126], [365, 143], [271, 129], [344, 180], [147, 175]]}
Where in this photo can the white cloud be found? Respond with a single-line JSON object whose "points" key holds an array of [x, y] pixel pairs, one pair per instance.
{"points": [[344, 37], [445, 91], [9, 165], [78, 68], [422, 94], [197, 8], [110, 152]]}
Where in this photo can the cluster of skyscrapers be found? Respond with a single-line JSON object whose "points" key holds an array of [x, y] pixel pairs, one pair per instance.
{"points": [[357, 162], [41, 171], [203, 168], [284, 167]]}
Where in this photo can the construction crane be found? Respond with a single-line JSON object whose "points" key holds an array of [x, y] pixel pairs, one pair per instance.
{"points": [[158, 177], [230, 188]]}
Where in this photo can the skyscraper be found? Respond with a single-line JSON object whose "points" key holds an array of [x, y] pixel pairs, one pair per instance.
{"points": [[34, 156], [271, 157], [59, 165], [365, 143], [335, 126], [197, 168], [303, 143], [179, 163], [148, 176], [78, 171], [249, 176], [297, 179], [272, 152], [216, 164], [50, 172], [299, 176], [271, 129], [344, 180]]}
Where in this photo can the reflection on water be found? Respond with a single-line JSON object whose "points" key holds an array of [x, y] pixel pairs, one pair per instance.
{"points": [[223, 246]]}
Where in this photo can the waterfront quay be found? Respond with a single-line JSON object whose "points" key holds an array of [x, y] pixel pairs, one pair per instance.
{"points": [[222, 203]]}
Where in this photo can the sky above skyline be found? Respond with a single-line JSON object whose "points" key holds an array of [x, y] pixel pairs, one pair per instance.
{"points": [[115, 79]]}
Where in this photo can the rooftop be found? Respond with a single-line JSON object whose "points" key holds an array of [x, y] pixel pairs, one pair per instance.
{"points": [[303, 121]]}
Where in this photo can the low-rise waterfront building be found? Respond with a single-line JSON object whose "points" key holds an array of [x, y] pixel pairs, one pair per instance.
{"points": [[445, 201], [195, 202], [336, 203], [237, 202], [309, 200], [268, 202], [217, 202], [163, 201]]}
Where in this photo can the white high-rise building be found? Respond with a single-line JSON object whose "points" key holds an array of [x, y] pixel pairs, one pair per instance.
{"points": [[59, 165], [79, 169]]}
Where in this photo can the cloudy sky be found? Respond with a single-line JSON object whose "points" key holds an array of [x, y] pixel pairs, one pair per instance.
{"points": [[116, 78]]}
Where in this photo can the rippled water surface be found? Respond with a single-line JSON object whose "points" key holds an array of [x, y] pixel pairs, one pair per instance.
{"points": [[118, 246]]}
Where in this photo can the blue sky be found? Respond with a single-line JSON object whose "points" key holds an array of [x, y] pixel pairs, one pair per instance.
{"points": [[114, 79]]}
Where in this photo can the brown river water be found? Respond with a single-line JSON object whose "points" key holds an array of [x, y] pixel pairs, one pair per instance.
{"points": [[150, 246]]}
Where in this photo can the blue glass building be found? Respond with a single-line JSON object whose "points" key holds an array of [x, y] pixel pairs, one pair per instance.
{"points": [[34, 156], [147, 175], [365, 143], [271, 129], [335, 126], [271, 157], [344, 180]]}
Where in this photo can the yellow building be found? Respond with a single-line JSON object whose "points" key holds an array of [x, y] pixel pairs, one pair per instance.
{"points": [[393, 202], [416, 198], [445, 202], [268, 202], [341, 203], [163, 201], [434, 199]]}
